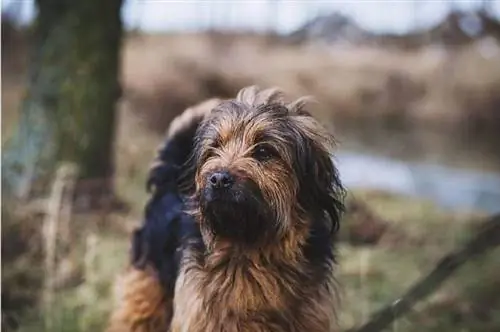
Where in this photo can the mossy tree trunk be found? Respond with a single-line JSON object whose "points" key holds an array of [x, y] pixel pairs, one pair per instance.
{"points": [[69, 110]]}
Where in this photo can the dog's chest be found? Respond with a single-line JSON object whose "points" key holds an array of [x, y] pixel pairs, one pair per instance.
{"points": [[233, 299]]}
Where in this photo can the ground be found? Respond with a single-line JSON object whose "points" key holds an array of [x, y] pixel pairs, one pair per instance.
{"points": [[416, 234]]}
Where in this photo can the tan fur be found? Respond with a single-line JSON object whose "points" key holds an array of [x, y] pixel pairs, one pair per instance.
{"points": [[142, 304], [224, 290], [185, 119], [191, 115], [236, 292]]}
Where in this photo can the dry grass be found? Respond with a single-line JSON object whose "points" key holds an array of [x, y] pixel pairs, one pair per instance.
{"points": [[431, 85], [164, 74], [418, 235], [371, 276]]}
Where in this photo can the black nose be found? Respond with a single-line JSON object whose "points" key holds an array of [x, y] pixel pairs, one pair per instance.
{"points": [[220, 180]]}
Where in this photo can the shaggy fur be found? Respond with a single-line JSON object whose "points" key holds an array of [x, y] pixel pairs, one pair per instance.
{"points": [[239, 231]]}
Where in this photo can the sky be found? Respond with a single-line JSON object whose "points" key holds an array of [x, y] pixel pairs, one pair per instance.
{"points": [[286, 16]]}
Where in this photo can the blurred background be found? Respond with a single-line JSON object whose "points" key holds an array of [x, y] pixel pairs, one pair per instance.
{"points": [[411, 89]]}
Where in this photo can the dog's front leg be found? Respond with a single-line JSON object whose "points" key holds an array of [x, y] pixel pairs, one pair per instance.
{"points": [[142, 304]]}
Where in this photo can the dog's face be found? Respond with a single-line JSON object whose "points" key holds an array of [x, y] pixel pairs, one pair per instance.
{"points": [[262, 171]]}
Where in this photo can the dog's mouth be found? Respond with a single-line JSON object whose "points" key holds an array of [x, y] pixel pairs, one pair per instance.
{"points": [[238, 212]]}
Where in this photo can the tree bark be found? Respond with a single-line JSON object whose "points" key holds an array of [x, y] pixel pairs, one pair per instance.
{"points": [[68, 113]]}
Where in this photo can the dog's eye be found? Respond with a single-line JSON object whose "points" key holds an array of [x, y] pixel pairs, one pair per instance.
{"points": [[263, 153], [211, 149], [210, 153]]}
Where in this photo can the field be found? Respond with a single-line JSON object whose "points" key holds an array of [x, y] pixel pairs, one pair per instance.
{"points": [[387, 242]]}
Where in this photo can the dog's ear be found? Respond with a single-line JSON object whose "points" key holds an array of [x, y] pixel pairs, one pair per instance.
{"points": [[320, 189], [139, 249]]}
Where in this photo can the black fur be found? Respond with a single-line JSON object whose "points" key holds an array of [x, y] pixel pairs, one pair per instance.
{"points": [[158, 242], [243, 203]]}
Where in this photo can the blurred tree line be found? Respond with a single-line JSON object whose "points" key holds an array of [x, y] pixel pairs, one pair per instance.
{"points": [[68, 112]]}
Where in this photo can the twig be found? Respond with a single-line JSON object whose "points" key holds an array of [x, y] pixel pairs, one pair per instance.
{"points": [[50, 226], [67, 205], [488, 237]]}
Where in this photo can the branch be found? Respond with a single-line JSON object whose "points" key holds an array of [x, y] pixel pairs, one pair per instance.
{"points": [[488, 237], [64, 174]]}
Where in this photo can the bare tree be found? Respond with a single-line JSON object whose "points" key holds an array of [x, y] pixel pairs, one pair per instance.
{"points": [[69, 110]]}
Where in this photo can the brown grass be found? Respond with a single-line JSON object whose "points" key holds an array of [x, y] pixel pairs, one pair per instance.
{"points": [[164, 74], [430, 85]]}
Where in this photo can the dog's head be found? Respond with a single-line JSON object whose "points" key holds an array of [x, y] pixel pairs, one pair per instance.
{"points": [[263, 168]]}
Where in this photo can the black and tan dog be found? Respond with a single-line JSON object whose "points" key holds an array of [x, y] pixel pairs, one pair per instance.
{"points": [[247, 243]]}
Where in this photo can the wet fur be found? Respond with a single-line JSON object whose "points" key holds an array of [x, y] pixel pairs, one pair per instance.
{"points": [[276, 274]]}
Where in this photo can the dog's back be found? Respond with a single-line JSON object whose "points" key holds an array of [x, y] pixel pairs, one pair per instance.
{"points": [[166, 223], [147, 288]]}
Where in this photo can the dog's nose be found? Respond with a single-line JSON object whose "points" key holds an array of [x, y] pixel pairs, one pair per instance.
{"points": [[220, 180]]}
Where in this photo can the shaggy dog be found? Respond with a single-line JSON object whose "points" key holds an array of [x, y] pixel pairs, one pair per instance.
{"points": [[239, 231]]}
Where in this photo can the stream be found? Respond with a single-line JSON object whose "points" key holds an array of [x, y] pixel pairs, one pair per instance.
{"points": [[456, 170]]}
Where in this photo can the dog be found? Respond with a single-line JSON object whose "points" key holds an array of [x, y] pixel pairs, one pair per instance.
{"points": [[239, 232]]}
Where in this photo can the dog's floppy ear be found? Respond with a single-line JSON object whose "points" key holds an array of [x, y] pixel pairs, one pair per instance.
{"points": [[139, 250], [320, 190]]}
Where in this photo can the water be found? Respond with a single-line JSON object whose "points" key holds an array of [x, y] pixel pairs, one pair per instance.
{"points": [[459, 171]]}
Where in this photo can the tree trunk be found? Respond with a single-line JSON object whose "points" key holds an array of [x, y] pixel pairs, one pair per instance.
{"points": [[68, 114]]}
